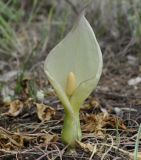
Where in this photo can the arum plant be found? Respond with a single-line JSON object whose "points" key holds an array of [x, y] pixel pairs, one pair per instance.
{"points": [[73, 68]]}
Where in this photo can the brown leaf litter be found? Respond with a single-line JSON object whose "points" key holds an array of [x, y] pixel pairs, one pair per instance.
{"points": [[16, 140], [88, 147], [96, 122], [45, 112], [18, 107], [15, 108]]}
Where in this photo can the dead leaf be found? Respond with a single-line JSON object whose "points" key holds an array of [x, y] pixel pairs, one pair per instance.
{"points": [[87, 147], [15, 108], [45, 112], [95, 123], [92, 104], [48, 138]]}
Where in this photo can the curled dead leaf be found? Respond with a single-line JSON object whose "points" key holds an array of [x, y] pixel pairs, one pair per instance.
{"points": [[87, 147], [15, 108], [47, 138], [45, 112], [92, 104]]}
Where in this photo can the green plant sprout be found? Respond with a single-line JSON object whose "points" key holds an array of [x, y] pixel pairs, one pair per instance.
{"points": [[74, 68]]}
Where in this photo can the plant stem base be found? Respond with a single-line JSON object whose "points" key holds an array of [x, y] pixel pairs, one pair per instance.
{"points": [[71, 130]]}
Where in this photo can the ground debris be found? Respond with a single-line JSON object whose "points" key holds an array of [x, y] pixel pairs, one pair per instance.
{"points": [[96, 122], [16, 140], [44, 112], [23, 108], [15, 108], [88, 147]]}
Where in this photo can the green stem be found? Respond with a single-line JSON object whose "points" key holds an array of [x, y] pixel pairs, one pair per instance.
{"points": [[71, 130]]}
